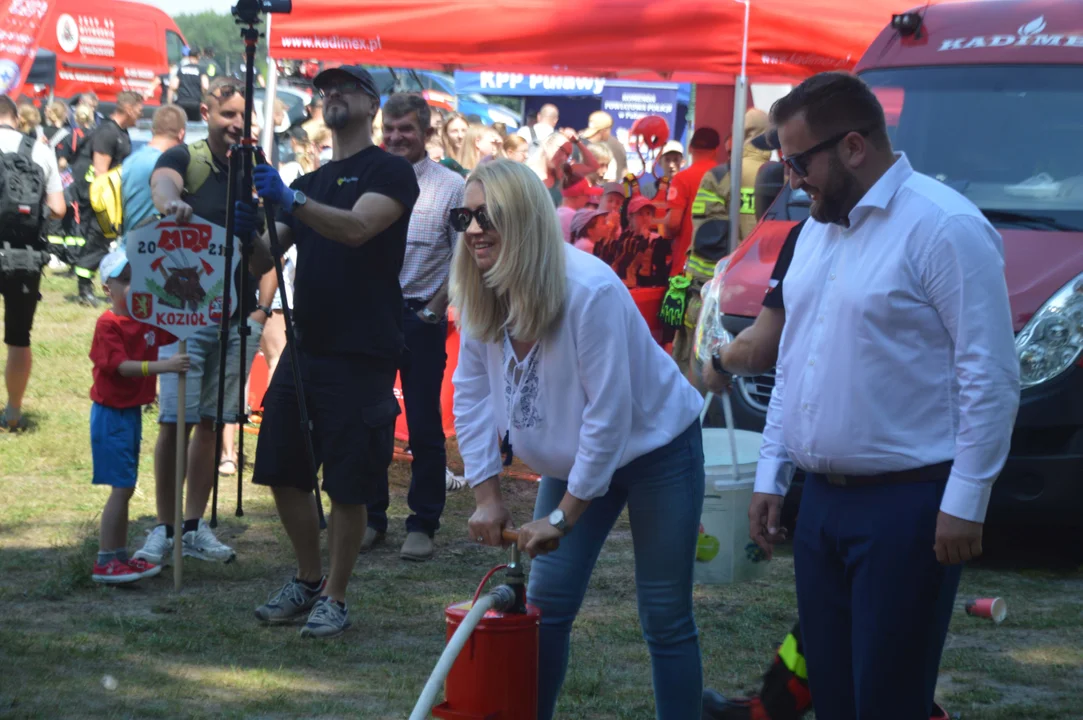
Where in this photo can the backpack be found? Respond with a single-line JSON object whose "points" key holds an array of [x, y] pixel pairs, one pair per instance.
{"points": [[107, 202], [535, 144], [22, 195]]}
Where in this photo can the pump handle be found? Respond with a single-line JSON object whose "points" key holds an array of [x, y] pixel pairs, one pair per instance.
{"points": [[512, 536]]}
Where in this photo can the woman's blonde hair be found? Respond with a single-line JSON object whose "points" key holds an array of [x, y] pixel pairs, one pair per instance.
{"points": [[513, 143], [602, 154], [57, 113], [29, 118], [524, 290], [539, 162], [470, 157], [84, 115], [449, 151], [378, 127]]}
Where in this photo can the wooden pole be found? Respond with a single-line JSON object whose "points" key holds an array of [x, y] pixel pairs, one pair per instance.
{"points": [[178, 511]]}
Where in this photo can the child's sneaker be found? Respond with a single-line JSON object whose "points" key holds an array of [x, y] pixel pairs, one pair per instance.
{"points": [[114, 572], [144, 568]]}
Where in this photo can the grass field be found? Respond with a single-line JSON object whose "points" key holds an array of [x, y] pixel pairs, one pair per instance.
{"points": [[200, 653]]}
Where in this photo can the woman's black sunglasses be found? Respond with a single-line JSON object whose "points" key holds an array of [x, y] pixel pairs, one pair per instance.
{"points": [[460, 218], [798, 162]]}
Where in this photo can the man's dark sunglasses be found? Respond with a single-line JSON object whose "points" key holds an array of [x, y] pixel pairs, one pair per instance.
{"points": [[343, 87], [798, 162], [460, 218], [225, 92]]}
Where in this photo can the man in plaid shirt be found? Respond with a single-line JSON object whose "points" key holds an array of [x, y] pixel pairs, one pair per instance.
{"points": [[424, 279]]}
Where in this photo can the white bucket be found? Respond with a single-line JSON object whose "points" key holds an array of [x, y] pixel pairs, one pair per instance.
{"points": [[725, 554]]}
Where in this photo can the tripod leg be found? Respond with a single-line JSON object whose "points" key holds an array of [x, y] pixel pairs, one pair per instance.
{"points": [[223, 330], [295, 362], [239, 442]]}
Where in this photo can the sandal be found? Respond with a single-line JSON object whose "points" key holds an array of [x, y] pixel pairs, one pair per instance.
{"points": [[227, 467]]}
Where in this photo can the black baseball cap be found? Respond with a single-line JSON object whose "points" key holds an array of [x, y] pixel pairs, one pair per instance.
{"points": [[705, 139], [767, 140], [355, 72]]}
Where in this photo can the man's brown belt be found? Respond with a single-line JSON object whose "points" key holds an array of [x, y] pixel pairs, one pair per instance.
{"points": [[928, 473]]}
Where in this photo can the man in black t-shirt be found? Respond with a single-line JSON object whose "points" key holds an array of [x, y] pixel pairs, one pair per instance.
{"points": [[187, 181], [189, 83], [349, 220], [107, 148]]}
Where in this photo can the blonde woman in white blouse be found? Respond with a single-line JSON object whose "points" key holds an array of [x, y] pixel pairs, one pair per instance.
{"points": [[557, 362]]}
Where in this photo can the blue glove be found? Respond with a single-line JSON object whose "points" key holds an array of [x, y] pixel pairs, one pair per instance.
{"points": [[245, 219], [270, 187]]}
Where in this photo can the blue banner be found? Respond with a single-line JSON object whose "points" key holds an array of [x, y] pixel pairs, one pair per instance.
{"points": [[534, 85], [627, 103]]}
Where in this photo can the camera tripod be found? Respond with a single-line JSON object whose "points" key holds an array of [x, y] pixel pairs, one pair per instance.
{"points": [[242, 158]]}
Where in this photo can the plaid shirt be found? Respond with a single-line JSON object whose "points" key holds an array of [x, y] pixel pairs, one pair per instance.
{"points": [[430, 239]]}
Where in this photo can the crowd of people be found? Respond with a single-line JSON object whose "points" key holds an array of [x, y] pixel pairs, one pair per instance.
{"points": [[535, 238]]}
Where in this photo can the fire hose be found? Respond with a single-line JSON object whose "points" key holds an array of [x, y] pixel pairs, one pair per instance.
{"points": [[501, 598], [508, 597]]}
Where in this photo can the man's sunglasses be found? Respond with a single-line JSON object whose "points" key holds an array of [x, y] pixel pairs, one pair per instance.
{"points": [[225, 92], [344, 87], [798, 162], [460, 218]]}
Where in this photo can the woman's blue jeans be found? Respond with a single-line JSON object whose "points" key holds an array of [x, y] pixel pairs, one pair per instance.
{"points": [[664, 494]]}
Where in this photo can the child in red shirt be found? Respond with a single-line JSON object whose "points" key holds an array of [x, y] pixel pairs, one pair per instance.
{"points": [[125, 356]]}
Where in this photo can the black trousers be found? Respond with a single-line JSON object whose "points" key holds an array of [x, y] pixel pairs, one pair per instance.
{"points": [[422, 373], [96, 245]]}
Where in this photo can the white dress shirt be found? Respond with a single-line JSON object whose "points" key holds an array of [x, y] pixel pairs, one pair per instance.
{"points": [[898, 350], [593, 395]]}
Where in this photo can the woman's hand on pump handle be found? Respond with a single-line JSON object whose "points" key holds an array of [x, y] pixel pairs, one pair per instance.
{"points": [[488, 522], [539, 537]]}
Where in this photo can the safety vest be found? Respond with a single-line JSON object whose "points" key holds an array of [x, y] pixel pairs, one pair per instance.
{"points": [[710, 216]]}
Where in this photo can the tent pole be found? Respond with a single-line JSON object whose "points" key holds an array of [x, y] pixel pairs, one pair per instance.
{"points": [[740, 103]]}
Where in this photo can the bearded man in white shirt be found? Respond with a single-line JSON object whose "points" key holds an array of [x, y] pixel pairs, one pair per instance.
{"points": [[897, 387]]}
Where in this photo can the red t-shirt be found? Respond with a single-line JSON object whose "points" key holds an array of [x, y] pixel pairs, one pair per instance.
{"points": [[682, 191], [118, 338]]}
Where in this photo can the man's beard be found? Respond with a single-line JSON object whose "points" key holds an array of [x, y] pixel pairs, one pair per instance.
{"points": [[838, 197], [336, 117]]}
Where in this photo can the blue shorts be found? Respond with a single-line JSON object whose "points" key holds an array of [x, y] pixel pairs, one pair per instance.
{"points": [[115, 436]]}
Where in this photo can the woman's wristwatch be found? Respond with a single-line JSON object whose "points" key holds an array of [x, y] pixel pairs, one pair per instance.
{"points": [[265, 308], [716, 363]]}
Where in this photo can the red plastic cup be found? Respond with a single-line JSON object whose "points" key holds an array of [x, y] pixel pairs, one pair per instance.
{"points": [[994, 609]]}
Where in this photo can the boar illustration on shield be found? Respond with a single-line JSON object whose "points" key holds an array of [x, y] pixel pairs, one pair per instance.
{"points": [[182, 281]]}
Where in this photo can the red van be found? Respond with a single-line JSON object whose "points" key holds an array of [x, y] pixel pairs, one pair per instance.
{"points": [[988, 99], [107, 47]]}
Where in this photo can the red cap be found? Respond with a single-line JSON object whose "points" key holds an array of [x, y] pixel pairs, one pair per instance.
{"points": [[638, 203], [579, 188]]}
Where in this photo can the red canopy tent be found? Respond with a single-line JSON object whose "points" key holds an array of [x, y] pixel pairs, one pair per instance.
{"points": [[719, 42], [672, 40]]}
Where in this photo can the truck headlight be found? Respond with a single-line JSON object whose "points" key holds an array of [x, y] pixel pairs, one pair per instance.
{"points": [[1053, 339]]}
